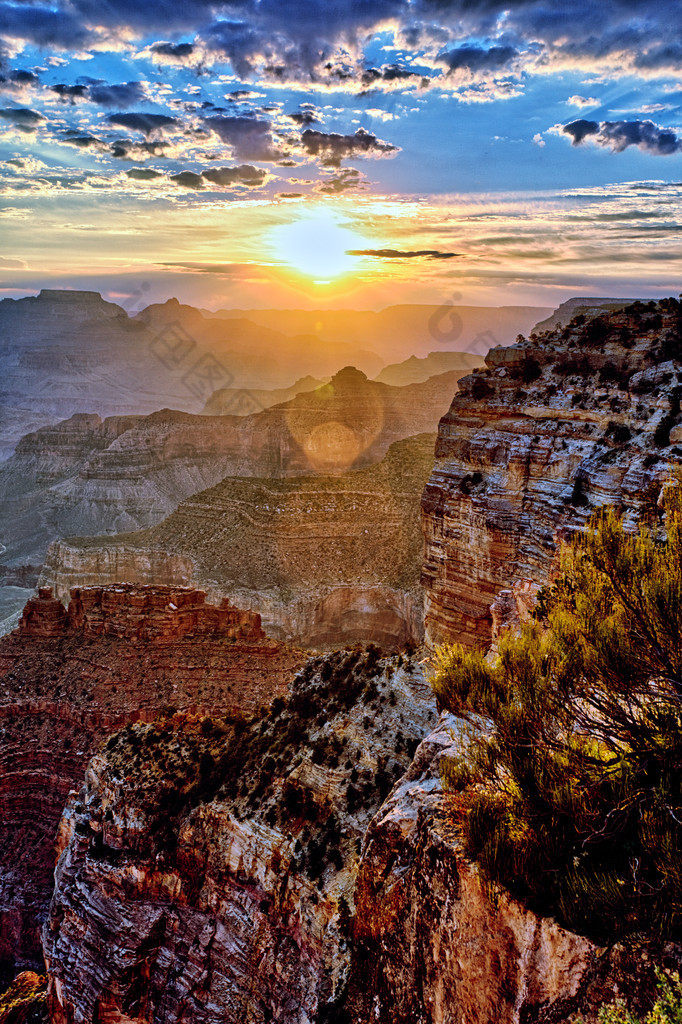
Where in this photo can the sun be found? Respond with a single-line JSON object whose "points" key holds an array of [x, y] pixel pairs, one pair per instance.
{"points": [[317, 245]]}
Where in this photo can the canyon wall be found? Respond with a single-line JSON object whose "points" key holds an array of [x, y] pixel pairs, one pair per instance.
{"points": [[554, 427], [326, 560], [69, 678]]}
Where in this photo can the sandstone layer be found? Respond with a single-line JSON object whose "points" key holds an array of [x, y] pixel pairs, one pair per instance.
{"points": [[555, 426], [326, 560], [69, 678], [215, 861]]}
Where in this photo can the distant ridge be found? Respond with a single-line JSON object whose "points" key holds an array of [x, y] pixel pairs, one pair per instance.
{"points": [[581, 305]]}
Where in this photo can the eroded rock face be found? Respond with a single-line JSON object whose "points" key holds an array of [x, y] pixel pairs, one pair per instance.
{"points": [[215, 861], [552, 429], [326, 560], [69, 679], [433, 947]]}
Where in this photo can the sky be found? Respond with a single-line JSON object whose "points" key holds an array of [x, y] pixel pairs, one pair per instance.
{"points": [[341, 153]]}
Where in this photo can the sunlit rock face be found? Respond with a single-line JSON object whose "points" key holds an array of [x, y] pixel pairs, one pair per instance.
{"points": [[326, 560], [554, 427], [69, 678], [207, 867]]}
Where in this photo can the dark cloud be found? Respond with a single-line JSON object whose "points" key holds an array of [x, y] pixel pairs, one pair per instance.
{"points": [[332, 148], [401, 254], [143, 174], [250, 137], [304, 117], [16, 81], [142, 122], [580, 129], [243, 174], [188, 179], [289, 195], [619, 135], [81, 141], [372, 78], [45, 26], [178, 51], [126, 149], [125, 95], [22, 117], [70, 93], [477, 59]]}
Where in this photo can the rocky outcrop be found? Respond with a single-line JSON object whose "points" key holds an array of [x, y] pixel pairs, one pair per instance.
{"points": [[327, 560], [553, 428], [215, 861], [433, 945], [69, 678], [415, 370]]}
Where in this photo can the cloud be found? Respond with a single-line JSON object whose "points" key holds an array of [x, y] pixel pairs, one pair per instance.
{"points": [[142, 122], [475, 59], [391, 75], [24, 119], [582, 101], [143, 174], [401, 254], [243, 174], [7, 263], [250, 138], [188, 179], [70, 93], [332, 148], [176, 51], [619, 135], [125, 95], [348, 178]]}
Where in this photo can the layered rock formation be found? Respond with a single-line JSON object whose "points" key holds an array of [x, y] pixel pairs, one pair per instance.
{"points": [[88, 476], [226, 401], [327, 560], [215, 861], [554, 427], [415, 370], [69, 678]]}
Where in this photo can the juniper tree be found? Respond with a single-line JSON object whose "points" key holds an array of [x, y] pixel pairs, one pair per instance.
{"points": [[574, 799]]}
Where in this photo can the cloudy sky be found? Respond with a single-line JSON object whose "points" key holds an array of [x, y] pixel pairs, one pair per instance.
{"points": [[341, 152]]}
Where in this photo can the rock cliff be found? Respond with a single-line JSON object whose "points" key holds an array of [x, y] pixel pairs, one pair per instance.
{"points": [[326, 560], [433, 946], [215, 860], [69, 678], [555, 426]]}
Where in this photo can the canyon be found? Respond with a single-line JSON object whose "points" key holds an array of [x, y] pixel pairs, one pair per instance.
{"points": [[289, 851], [307, 553], [89, 476]]}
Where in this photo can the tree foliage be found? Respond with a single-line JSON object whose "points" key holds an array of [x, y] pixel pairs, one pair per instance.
{"points": [[573, 800]]}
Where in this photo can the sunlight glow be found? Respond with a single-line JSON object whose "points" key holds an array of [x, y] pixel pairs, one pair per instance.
{"points": [[317, 245]]}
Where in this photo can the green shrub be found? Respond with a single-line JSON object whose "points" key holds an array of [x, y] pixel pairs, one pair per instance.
{"points": [[579, 806]]}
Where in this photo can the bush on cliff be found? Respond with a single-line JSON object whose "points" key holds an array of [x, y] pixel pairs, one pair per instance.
{"points": [[574, 800]]}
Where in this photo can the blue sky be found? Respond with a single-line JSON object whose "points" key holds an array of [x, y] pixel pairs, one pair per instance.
{"points": [[171, 142]]}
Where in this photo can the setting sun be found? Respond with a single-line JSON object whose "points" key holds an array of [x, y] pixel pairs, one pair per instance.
{"points": [[317, 245]]}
